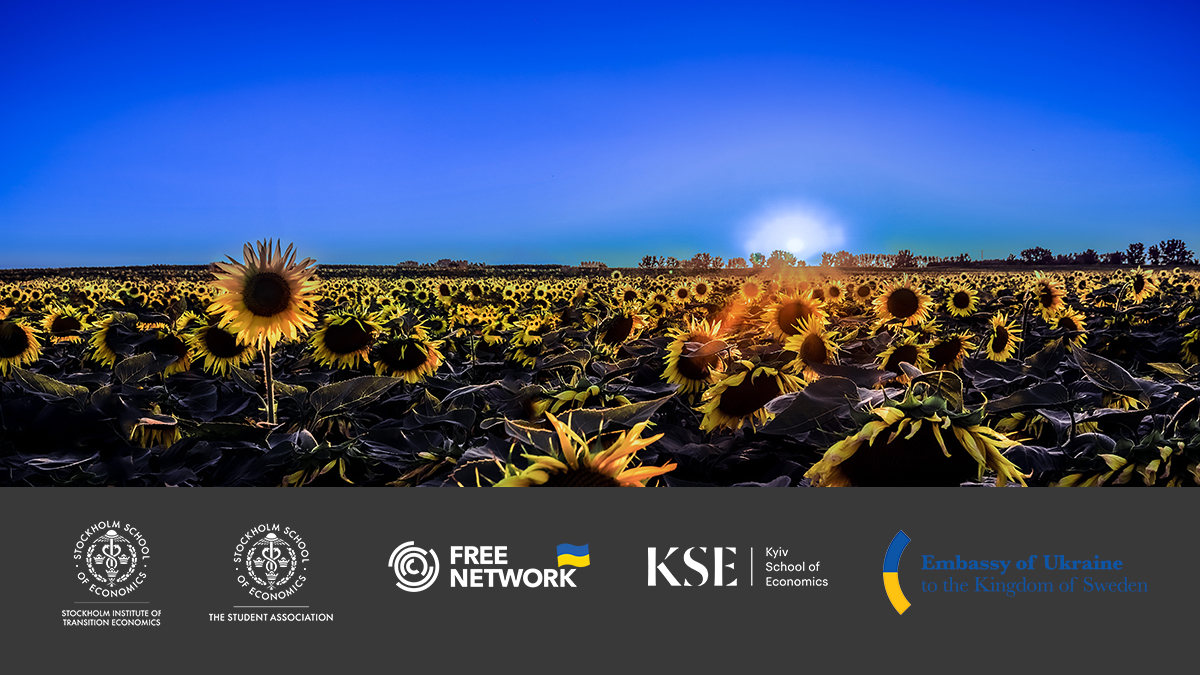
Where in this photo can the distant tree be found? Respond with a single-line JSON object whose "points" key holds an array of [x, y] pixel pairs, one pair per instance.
{"points": [[758, 260], [1012, 257], [1136, 254], [1088, 257], [1175, 252], [844, 259], [736, 264], [904, 259], [826, 259], [701, 261], [1114, 258], [717, 262], [780, 259], [1154, 255], [1037, 255], [671, 262], [650, 262]]}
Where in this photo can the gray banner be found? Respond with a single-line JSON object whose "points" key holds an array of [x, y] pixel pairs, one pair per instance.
{"points": [[822, 601]]}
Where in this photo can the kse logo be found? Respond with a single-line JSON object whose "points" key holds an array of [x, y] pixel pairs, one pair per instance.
{"points": [[718, 561]]}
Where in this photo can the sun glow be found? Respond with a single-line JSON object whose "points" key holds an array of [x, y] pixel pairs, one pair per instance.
{"points": [[803, 229]]}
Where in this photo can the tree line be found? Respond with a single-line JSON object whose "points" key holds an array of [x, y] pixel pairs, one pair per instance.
{"points": [[1170, 252]]}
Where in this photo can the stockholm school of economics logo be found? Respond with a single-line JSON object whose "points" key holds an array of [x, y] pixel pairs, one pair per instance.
{"points": [[271, 561], [111, 559]]}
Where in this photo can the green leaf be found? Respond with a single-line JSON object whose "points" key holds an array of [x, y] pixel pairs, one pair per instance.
{"points": [[1047, 396], [38, 383], [587, 423], [1108, 375], [1173, 369], [944, 383], [137, 368], [359, 391], [578, 358], [708, 349]]}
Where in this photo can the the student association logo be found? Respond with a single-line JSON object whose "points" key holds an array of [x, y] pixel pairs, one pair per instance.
{"points": [[271, 561]]}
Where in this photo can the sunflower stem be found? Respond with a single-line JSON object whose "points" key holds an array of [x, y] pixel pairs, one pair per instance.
{"points": [[269, 376]]}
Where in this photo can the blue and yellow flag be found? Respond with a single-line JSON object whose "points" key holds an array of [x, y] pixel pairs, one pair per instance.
{"points": [[575, 556]]}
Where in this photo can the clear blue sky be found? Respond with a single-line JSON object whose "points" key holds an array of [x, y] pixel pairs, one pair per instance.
{"points": [[173, 132]]}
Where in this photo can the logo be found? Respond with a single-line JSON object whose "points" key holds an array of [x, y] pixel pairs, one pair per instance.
{"points": [[111, 559], [891, 572], [271, 562], [574, 556], [416, 569], [703, 566]]}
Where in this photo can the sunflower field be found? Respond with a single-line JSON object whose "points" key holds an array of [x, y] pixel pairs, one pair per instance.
{"points": [[270, 372]]}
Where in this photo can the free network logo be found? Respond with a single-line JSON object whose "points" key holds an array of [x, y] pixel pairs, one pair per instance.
{"points": [[416, 569], [574, 556]]}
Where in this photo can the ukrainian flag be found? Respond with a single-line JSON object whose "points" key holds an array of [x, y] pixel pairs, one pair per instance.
{"points": [[575, 556]]}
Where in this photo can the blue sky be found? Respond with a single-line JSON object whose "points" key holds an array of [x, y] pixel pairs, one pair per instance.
{"points": [[139, 133]]}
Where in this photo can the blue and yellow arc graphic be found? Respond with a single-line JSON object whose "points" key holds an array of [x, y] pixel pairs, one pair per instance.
{"points": [[891, 572], [574, 556]]}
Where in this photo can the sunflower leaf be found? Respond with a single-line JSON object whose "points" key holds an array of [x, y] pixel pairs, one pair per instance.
{"points": [[946, 384], [1108, 375], [349, 394], [37, 383], [1174, 370], [137, 368], [822, 404], [708, 349], [1050, 395]]}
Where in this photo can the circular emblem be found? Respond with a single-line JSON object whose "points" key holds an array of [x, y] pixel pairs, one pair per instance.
{"points": [[110, 559], [416, 569], [271, 562]]}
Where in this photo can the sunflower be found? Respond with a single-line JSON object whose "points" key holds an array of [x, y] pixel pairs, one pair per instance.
{"points": [[903, 302], [863, 293], [170, 343], [751, 291], [941, 448], [344, 339], [412, 358], [1141, 285], [784, 317], [219, 348], [692, 374], [908, 349], [19, 345], [701, 290], [103, 350], [812, 345], [1049, 293], [682, 293], [63, 324], [834, 292], [743, 396], [587, 463], [268, 296], [947, 353], [962, 302], [624, 325], [1002, 343], [1071, 321], [1189, 351]]}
